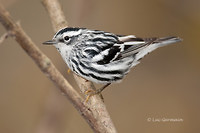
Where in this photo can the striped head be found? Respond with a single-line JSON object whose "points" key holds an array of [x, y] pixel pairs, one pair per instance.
{"points": [[65, 39]]}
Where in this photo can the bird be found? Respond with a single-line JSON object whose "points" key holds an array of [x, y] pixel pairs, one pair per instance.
{"points": [[103, 57]]}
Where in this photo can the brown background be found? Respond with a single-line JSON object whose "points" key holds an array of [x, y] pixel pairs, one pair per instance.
{"points": [[165, 85]]}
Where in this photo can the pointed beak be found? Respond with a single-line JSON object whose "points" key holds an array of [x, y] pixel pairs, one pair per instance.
{"points": [[50, 42]]}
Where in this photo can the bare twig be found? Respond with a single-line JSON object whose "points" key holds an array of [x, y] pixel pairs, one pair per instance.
{"points": [[95, 113]]}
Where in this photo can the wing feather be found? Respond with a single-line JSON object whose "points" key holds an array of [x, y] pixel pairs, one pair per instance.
{"points": [[137, 45], [117, 47]]}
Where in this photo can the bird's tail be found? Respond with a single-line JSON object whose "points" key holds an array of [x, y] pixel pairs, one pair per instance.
{"points": [[167, 40], [160, 42]]}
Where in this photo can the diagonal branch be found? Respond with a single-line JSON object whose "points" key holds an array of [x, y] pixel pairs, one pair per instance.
{"points": [[94, 113], [97, 106], [40, 59]]}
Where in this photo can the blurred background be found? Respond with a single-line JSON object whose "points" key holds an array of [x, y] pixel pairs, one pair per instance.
{"points": [[166, 84]]}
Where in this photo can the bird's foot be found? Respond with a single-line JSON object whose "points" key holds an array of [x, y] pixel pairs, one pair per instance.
{"points": [[68, 71], [91, 92]]}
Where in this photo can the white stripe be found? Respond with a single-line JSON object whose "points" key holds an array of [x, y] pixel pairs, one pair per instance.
{"points": [[72, 33], [123, 38], [88, 71], [100, 56], [116, 65]]}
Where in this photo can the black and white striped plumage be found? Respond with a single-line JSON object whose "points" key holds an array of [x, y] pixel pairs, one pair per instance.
{"points": [[103, 57]]}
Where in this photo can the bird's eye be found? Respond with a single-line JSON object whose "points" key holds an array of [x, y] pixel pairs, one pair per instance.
{"points": [[66, 38]]}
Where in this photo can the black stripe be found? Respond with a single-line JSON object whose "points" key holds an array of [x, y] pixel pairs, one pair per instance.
{"points": [[105, 45], [67, 29], [91, 52], [127, 46], [77, 66], [103, 33], [111, 35], [73, 69], [117, 78], [99, 71], [134, 39], [99, 78], [97, 32], [111, 54], [103, 40], [90, 74], [93, 45]]}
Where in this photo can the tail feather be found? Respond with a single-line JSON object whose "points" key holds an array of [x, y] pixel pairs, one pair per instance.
{"points": [[160, 42], [167, 40]]}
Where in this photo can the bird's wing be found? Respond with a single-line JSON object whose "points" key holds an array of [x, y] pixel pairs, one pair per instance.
{"points": [[100, 48], [110, 47], [139, 47], [132, 45], [115, 47]]}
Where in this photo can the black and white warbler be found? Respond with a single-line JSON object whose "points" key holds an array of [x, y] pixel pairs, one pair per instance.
{"points": [[103, 57]]}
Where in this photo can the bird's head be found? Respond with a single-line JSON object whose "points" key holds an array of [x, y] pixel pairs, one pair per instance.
{"points": [[65, 37]]}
